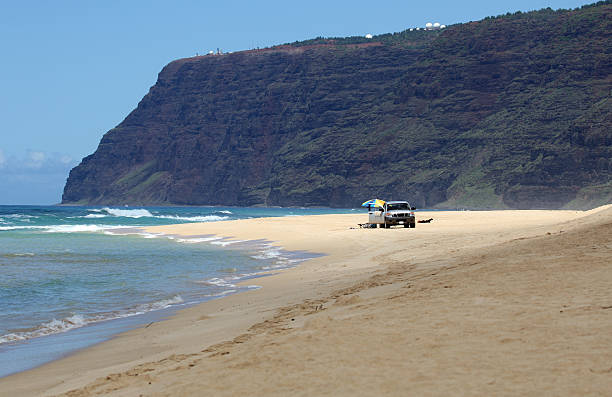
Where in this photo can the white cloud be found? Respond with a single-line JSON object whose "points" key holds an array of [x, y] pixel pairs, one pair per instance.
{"points": [[33, 177], [37, 156], [35, 159], [36, 162]]}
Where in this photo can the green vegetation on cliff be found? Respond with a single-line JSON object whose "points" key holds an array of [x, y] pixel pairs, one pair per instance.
{"points": [[507, 112]]}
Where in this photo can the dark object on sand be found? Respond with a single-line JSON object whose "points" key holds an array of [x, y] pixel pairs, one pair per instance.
{"points": [[425, 220]]}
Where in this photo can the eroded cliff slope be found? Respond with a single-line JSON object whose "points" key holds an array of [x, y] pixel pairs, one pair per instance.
{"points": [[508, 112]]}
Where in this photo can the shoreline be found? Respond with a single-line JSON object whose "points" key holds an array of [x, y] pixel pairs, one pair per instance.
{"points": [[105, 329], [206, 331]]}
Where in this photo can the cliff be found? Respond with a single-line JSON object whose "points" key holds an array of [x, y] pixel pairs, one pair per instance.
{"points": [[507, 112]]}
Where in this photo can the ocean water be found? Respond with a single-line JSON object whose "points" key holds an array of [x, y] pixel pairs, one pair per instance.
{"points": [[74, 276]]}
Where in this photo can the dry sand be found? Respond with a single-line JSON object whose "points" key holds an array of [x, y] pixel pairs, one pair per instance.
{"points": [[475, 303]]}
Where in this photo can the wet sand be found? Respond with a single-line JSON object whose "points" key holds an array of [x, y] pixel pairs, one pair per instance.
{"points": [[474, 303]]}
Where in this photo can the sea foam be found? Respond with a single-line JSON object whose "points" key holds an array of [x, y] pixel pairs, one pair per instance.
{"points": [[90, 216], [206, 218], [225, 243], [136, 213], [143, 213], [197, 240], [78, 228], [77, 320], [65, 228]]}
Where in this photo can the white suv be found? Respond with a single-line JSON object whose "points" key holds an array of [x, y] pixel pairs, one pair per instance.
{"points": [[399, 213]]}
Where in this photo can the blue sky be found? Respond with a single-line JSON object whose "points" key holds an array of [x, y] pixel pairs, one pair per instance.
{"points": [[72, 70]]}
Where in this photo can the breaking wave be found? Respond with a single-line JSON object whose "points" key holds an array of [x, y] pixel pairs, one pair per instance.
{"points": [[197, 240], [89, 216], [77, 321], [269, 253], [206, 218], [143, 213], [136, 213], [78, 228], [65, 228], [16, 227], [19, 254], [24, 217], [225, 243]]}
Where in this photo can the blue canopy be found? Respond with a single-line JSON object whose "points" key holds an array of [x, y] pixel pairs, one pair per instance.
{"points": [[374, 203]]}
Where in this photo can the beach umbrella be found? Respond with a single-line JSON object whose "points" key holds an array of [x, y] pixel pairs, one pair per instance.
{"points": [[374, 203]]}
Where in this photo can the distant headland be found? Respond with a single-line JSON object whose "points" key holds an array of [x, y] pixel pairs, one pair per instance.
{"points": [[511, 111]]}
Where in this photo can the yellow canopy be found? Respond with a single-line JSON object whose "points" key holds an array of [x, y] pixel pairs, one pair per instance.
{"points": [[374, 203]]}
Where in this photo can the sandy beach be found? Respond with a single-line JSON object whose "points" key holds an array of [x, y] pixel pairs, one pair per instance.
{"points": [[473, 303]]}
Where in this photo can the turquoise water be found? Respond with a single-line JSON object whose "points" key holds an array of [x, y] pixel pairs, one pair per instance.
{"points": [[73, 276]]}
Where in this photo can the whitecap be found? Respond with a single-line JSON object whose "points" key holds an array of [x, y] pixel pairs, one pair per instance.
{"points": [[129, 230], [14, 227], [196, 240], [274, 267], [21, 227], [77, 321], [218, 282], [175, 300], [271, 253], [66, 228], [19, 254], [19, 216], [226, 243], [135, 213], [206, 218], [78, 228], [52, 327], [229, 291]]}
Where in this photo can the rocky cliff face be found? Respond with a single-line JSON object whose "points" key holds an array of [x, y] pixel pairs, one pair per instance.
{"points": [[508, 112]]}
